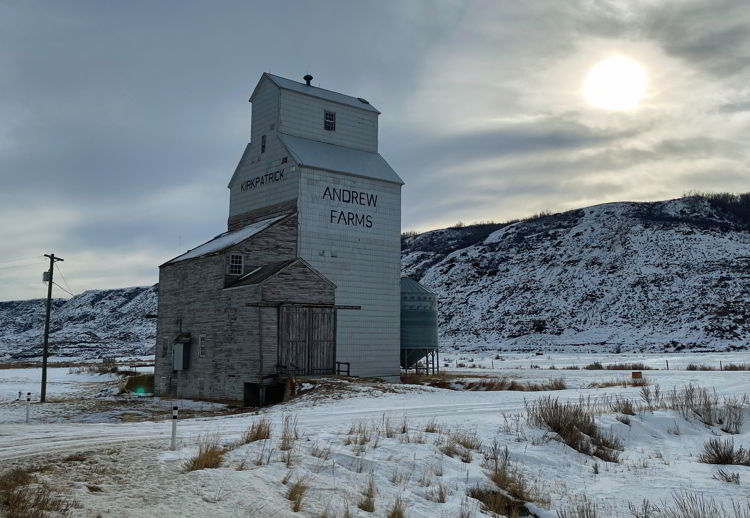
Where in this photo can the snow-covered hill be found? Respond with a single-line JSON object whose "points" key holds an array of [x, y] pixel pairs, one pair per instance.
{"points": [[669, 275], [94, 324]]}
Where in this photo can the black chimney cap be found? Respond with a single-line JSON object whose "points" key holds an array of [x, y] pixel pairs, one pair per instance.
{"points": [[307, 79]]}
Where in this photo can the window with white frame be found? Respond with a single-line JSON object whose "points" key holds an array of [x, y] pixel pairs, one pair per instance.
{"points": [[329, 121], [202, 346], [235, 264]]}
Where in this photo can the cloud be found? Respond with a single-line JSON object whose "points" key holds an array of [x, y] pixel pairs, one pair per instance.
{"points": [[120, 124]]}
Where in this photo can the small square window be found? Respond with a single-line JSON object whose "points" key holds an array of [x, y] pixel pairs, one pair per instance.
{"points": [[329, 121], [235, 264], [263, 144], [202, 346]]}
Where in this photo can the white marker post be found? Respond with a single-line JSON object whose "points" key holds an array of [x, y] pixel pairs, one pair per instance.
{"points": [[28, 405], [173, 446]]}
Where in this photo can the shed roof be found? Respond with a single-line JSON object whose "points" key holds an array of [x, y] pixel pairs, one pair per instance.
{"points": [[314, 91], [329, 157], [269, 270], [227, 239]]}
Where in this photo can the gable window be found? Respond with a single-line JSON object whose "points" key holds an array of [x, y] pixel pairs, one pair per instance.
{"points": [[263, 144], [202, 346], [329, 121], [235, 264]]}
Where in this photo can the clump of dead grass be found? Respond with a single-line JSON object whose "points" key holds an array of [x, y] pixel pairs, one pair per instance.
{"points": [[398, 509], [718, 451], [296, 494], [575, 426], [367, 501], [23, 496], [210, 454], [260, 430]]}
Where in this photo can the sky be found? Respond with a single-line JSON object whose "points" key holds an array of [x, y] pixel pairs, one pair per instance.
{"points": [[122, 122]]}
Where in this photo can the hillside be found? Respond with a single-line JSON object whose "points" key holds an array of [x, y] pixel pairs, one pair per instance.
{"points": [[94, 324], [671, 275]]}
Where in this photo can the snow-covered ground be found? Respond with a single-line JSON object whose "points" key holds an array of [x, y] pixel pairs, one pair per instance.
{"points": [[127, 469]]}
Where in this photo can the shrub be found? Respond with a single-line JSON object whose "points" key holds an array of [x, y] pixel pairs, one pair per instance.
{"points": [[623, 406], [717, 451], [596, 366], [210, 455]]}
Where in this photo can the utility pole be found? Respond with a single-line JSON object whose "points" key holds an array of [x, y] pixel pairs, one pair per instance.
{"points": [[48, 278]]}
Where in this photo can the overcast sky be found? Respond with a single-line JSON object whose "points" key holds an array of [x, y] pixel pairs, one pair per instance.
{"points": [[122, 122]]}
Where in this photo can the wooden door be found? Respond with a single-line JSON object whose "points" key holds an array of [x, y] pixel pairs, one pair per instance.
{"points": [[307, 340]]}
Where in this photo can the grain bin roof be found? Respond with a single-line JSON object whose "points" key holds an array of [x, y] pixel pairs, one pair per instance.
{"points": [[226, 240], [314, 91], [329, 157]]}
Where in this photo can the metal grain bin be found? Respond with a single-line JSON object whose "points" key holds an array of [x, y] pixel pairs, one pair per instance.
{"points": [[418, 324]]}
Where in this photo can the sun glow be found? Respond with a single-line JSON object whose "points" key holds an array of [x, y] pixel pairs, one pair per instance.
{"points": [[617, 83]]}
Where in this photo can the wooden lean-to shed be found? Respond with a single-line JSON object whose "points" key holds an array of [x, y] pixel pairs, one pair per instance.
{"points": [[240, 313]]}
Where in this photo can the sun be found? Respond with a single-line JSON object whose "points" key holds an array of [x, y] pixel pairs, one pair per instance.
{"points": [[617, 83]]}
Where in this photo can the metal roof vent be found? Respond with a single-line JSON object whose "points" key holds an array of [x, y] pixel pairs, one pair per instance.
{"points": [[308, 78]]}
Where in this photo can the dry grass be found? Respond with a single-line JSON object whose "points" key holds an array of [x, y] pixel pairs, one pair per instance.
{"points": [[398, 509], [438, 493], [624, 382], [574, 424], [296, 494], [468, 440], [727, 476], [210, 454], [623, 406], [501, 384], [289, 432], [497, 502], [581, 509], [260, 430], [431, 427], [636, 366], [23, 496], [717, 451], [367, 501]]}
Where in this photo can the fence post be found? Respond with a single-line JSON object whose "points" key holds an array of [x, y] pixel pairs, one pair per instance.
{"points": [[667, 364], [173, 445], [28, 405]]}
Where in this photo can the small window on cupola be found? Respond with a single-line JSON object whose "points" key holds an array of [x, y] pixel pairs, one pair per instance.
{"points": [[329, 121]]}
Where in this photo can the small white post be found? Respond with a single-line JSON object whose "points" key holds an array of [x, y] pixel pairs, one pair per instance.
{"points": [[173, 445], [28, 405]]}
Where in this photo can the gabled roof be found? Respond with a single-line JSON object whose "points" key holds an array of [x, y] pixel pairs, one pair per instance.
{"points": [[227, 239], [314, 91], [340, 159], [269, 270]]}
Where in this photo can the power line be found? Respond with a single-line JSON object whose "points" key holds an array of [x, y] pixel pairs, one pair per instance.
{"points": [[63, 277], [23, 265], [66, 291]]}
